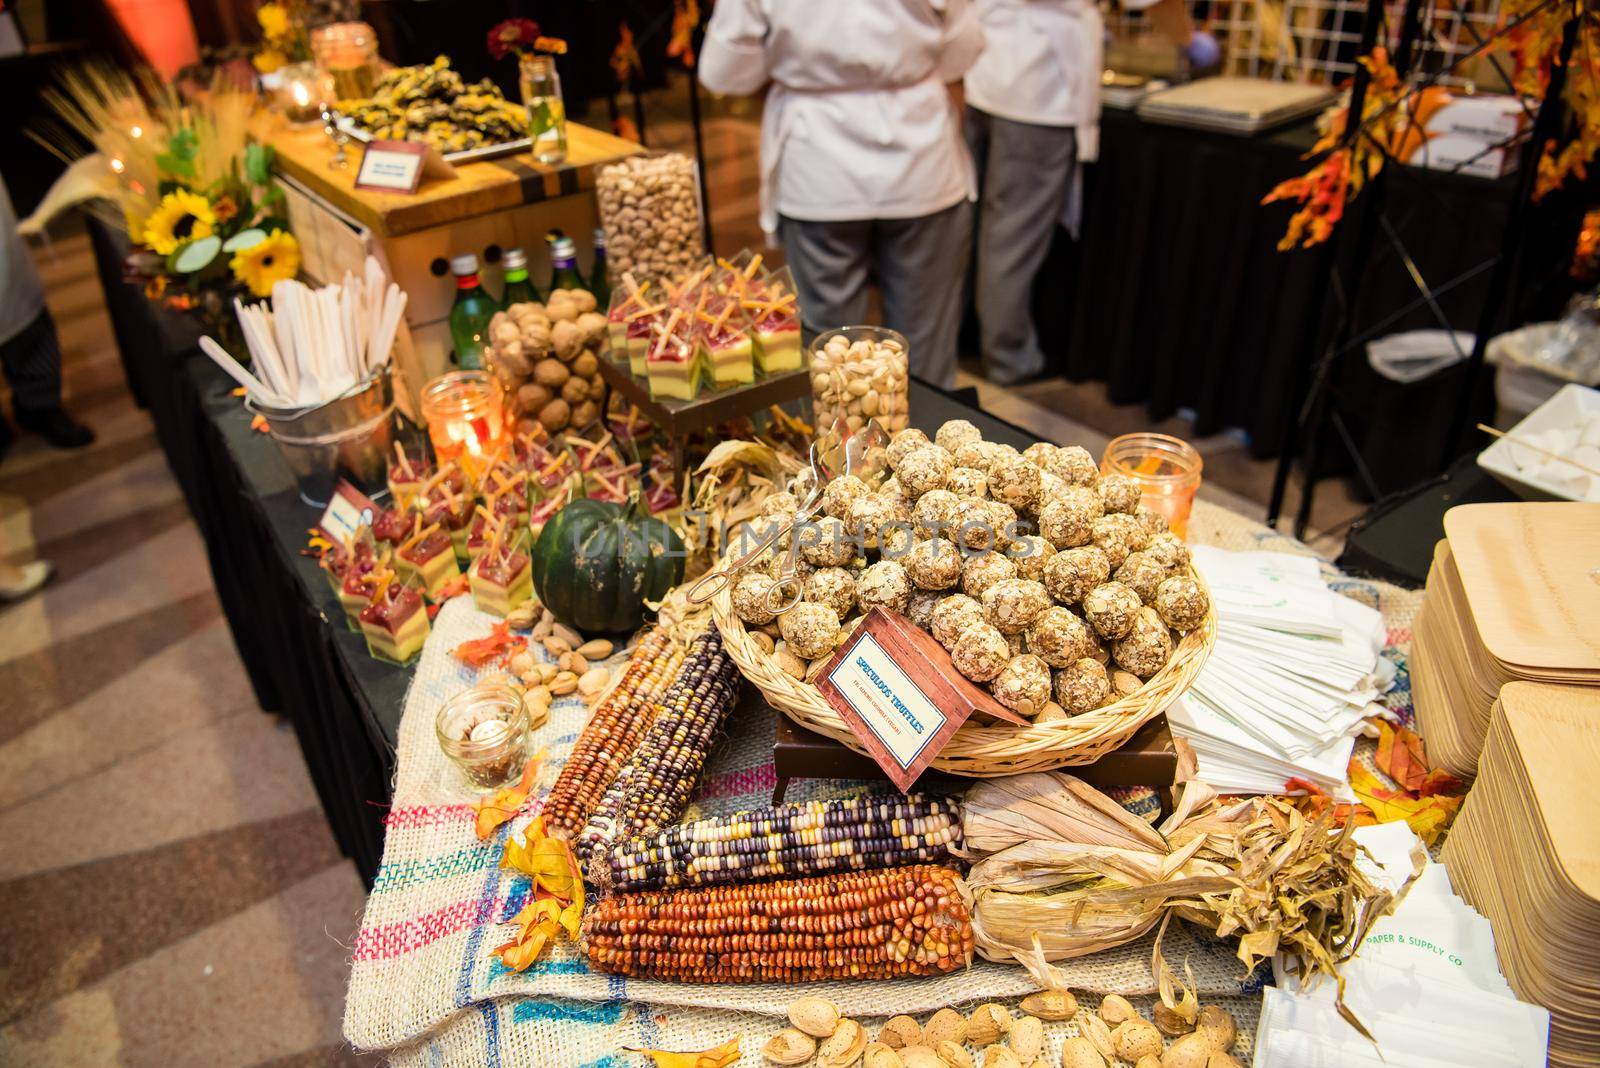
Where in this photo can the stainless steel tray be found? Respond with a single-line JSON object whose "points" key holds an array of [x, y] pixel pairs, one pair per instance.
{"points": [[467, 155]]}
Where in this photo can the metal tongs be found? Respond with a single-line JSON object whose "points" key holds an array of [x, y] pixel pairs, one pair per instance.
{"points": [[836, 451]]}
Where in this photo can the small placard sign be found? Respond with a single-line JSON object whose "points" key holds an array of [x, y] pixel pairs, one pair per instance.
{"points": [[902, 698], [392, 166], [348, 511]]}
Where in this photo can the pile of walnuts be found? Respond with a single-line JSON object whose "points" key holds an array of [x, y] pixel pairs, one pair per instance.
{"points": [[1048, 583], [547, 356]]}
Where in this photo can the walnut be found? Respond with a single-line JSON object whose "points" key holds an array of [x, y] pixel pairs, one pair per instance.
{"points": [[567, 340], [551, 372], [585, 414], [586, 365], [575, 391], [532, 396], [592, 325], [555, 415]]}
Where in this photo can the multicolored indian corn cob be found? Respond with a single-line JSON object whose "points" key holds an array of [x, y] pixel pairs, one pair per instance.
{"points": [[851, 925], [811, 838], [612, 733], [666, 766]]}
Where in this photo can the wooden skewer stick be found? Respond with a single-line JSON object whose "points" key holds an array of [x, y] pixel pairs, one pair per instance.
{"points": [[1526, 444]]}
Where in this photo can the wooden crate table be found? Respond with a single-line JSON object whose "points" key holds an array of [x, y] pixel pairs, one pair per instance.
{"points": [[489, 206], [1150, 758]]}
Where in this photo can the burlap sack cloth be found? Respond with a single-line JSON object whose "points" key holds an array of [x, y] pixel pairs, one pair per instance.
{"points": [[425, 983]]}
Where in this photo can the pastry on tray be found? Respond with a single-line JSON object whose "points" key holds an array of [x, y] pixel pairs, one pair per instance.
{"points": [[407, 475], [395, 623], [392, 526], [725, 346], [673, 365], [775, 324], [452, 513], [355, 592]]}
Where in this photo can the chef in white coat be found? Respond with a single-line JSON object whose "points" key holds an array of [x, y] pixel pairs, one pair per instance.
{"points": [[864, 172], [1033, 120]]}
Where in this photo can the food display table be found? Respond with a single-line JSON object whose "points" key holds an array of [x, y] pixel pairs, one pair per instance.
{"points": [[489, 206]]}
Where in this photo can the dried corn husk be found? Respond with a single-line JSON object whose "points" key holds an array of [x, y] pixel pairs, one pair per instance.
{"points": [[1064, 872]]}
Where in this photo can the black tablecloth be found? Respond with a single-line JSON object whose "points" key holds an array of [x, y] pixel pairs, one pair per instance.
{"points": [[1177, 297]]}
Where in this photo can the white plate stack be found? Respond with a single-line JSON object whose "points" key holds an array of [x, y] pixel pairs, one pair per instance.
{"points": [[1294, 673], [1526, 854]]}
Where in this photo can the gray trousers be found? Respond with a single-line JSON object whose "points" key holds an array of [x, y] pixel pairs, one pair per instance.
{"points": [[919, 266], [1024, 174]]}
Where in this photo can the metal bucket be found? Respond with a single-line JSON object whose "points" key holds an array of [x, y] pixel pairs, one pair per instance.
{"points": [[348, 437]]}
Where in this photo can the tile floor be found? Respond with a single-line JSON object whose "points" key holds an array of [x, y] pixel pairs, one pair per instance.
{"points": [[169, 888]]}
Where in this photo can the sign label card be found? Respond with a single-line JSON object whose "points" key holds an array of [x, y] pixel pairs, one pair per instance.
{"points": [[348, 511], [903, 699], [392, 166]]}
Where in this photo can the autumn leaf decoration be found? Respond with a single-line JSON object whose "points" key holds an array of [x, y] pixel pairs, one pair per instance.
{"points": [[719, 1057], [557, 901], [1532, 37], [1324, 190], [498, 807], [495, 647], [1425, 799]]}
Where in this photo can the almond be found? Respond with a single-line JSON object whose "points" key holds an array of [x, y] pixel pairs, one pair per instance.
{"points": [[1051, 1005], [817, 1017], [789, 1046]]}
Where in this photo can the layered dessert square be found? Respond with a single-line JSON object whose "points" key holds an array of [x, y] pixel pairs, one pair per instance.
{"points": [[395, 624], [501, 579], [392, 526], [338, 560], [360, 583], [673, 366], [452, 513], [430, 558], [775, 322], [407, 476], [725, 347]]}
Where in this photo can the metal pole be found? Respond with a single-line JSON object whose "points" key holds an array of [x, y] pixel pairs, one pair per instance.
{"points": [[700, 153], [1544, 127]]}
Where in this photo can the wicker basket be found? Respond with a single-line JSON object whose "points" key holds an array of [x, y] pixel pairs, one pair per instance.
{"points": [[983, 750]]}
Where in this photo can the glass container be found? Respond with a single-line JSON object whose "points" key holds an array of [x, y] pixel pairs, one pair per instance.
{"points": [[300, 93], [347, 55], [465, 417], [485, 730], [547, 113], [1166, 469], [866, 378]]}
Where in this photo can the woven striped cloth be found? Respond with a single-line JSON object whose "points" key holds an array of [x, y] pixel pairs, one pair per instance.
{"points": [[426, 985]]}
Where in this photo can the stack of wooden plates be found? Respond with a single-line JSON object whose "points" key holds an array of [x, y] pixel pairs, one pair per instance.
{"points": [[1514, 593], [1525, 852]]}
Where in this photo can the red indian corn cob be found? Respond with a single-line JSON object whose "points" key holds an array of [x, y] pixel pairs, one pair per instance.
{"points": [[853, 925], [613, 732]]}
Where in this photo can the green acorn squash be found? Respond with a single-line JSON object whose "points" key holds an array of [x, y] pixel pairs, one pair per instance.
{"points": [[596, 563]]}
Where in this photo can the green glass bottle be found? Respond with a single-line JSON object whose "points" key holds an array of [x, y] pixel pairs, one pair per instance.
{"points": [[469, 317], [599, 284], [519, 287], [564, 273]]}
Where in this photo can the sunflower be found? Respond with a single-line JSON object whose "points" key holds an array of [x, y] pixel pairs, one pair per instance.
{"points": [[274, 20], [274, 258], [181, 217]]}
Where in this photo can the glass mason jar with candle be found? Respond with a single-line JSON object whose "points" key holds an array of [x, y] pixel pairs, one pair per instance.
{"points": [[1166, 470], [485, 730], [466, 418], [347, 55], [547, 113]]}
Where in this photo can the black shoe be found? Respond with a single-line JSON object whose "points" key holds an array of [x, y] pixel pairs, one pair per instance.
{"points": [[55, 426]]}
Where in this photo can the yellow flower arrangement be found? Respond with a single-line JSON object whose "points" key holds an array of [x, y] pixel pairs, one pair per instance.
{"points": [[268, 60], [180, 217], [274, 20], [272, 259]]}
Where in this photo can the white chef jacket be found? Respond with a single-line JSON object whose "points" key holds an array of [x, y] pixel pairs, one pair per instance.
{"points": [[858, 124], [1042, 64]]}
